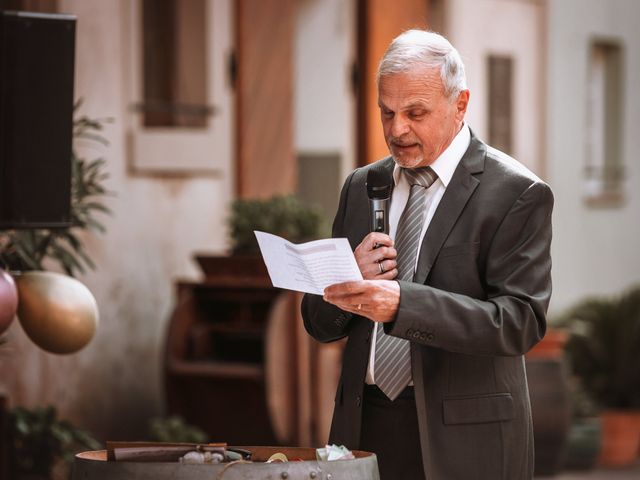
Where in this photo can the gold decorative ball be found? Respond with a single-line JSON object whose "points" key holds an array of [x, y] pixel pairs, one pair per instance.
{"points": [[58, 313]]}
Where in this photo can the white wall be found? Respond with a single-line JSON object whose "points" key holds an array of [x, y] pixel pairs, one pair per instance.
{"points": [[115, 384], [324, 103], [479, 28], [595, 251]]}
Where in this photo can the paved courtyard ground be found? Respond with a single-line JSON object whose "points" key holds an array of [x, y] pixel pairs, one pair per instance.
{"points": [[600, 474]]}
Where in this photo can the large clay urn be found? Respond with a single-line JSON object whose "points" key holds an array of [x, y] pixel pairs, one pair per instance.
{"points": [[547, 376]]}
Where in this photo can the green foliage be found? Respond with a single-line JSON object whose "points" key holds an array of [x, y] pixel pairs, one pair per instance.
{"points": [[582, 403], [283, 215], [24, 250], [604, 346], [39, 440], [174, 430]]}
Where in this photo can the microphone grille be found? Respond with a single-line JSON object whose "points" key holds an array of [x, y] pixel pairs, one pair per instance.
{"points": [[378, 182]]}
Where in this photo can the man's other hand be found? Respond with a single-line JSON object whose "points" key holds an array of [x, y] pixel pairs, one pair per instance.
{"points": [[376, 257], [377, 300]]}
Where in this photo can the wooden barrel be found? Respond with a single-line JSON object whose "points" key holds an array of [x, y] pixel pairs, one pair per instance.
{"points": [[94, 466]]}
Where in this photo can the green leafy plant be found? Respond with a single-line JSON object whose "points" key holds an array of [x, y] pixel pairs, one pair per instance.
{"points": [[174, 429], [582, 403], [39, 440], [27, 249], [282, 215], [603, 348]]}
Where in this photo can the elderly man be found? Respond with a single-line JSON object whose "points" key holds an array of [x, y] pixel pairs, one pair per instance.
{"points": [[433, 378]]}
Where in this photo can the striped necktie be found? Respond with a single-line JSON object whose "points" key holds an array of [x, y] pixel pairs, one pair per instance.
{"points": [[392, 367]]}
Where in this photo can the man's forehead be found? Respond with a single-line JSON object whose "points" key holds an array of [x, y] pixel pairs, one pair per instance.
{"points": [[415, 87], [415, 71], [405, 104]]}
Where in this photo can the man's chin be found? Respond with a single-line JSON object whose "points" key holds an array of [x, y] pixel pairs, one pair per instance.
{"points": [[406, 161]]}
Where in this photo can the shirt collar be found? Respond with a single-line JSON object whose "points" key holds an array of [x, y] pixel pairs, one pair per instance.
{"points": [[448, 160]]}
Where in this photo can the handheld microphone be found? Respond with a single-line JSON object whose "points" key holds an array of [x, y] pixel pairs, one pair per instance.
{"points": [[379, 192]]}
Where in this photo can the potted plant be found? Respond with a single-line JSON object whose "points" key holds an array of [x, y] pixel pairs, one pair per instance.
{"points": [[42, 446], [24, 250], [282, 215], [603, 353], [585, 434], [174, 429]]}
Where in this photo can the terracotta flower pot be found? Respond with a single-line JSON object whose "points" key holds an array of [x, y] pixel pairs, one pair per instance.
{"points": [[551, 346], [620, 438]]}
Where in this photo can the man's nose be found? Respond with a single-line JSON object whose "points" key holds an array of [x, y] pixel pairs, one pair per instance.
{"points": [[399, 126]]}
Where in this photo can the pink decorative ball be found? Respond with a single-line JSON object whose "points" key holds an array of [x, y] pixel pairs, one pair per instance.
{"points": [[8, 300]]}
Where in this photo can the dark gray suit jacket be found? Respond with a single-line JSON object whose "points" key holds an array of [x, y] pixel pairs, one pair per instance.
{"points": [[477, 304]]}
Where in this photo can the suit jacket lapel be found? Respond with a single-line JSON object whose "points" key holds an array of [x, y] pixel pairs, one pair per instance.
{"points": [[389, 165], [460, 188]]}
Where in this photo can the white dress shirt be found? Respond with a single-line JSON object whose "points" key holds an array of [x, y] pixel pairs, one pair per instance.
{"points": [[444, 166]]}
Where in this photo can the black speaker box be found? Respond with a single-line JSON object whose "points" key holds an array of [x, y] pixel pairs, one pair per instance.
{"points": [[36, 119]]}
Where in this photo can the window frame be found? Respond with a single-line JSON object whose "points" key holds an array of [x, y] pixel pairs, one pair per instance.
{"points": [[604, 168], [184, 150]]}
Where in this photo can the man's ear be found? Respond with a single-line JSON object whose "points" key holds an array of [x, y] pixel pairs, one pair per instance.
{"points": [[461, 103]]}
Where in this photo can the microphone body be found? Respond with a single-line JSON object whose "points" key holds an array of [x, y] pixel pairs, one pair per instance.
{"points": [[379, 212], [379, 192]]}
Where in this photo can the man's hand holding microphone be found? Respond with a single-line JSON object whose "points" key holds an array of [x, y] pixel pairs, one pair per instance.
{"points": [[377, 296]]}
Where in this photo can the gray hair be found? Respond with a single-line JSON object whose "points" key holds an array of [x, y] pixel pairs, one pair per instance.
{"points": [[424, 49]]}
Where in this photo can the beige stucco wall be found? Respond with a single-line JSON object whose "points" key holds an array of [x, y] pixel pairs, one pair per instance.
{"points": [[114, 385], [324, 99], [514, 28], [595, 251]]}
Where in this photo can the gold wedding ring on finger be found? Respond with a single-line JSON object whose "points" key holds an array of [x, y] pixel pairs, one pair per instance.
{"points": [[381, 267]]}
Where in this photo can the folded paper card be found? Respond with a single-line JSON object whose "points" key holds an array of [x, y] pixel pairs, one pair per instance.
{"points": [[308, 267]]}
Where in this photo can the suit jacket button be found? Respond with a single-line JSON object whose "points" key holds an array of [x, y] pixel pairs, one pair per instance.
{"points": [[416, 335], [409, 332], [358, 400], [423, 337], [430, 336]]}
